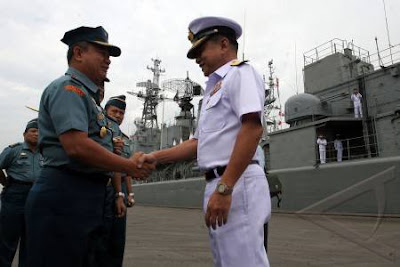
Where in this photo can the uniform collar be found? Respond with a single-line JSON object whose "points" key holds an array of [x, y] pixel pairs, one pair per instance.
{"points": [[77, 75], [223, 70], [219, 74], [25, 146]]}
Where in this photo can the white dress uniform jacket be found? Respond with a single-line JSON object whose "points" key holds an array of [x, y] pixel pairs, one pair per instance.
{"points": [[231, 92]]}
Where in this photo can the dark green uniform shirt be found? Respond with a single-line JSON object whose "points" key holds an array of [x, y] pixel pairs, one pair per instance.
{"points": [[20, 162], [69, 103]]}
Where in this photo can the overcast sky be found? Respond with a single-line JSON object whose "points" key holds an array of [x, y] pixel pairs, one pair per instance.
{"points": [[31, 54]]}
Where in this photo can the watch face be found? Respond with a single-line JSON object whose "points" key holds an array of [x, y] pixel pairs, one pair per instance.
{"points": [[221, 188]]}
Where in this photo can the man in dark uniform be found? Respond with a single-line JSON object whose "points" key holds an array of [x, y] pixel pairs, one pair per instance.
{"points": [[116, 199], [64, 210], [21, 162]]}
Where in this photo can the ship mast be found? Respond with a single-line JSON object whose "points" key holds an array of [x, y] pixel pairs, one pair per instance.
{"points": [[273, 120], [151, 96]]}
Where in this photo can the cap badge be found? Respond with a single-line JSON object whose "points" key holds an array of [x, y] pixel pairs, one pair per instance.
{"points": [[191, 36]]}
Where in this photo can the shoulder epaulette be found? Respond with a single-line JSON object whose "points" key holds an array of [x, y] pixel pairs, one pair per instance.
{"points": [[14, 145], [237, 63]]}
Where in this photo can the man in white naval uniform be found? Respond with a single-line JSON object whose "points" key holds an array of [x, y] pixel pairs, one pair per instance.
{"points": [[236, 200], [356, 98], [339, 148], [321, 141]]}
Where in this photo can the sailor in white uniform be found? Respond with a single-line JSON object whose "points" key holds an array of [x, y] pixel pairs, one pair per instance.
{"points": [[236, 200], [321, 141], [339, 148], [356, 98]]}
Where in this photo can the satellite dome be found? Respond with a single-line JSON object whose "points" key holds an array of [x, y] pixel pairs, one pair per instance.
{"points": [[302, 106]]}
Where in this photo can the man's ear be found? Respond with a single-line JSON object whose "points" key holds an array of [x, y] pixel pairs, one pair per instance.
{"points": [[77, 53], [224, 43]]}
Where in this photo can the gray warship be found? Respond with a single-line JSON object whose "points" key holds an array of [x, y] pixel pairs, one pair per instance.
{"points": [[366, 181], [150, 135]]}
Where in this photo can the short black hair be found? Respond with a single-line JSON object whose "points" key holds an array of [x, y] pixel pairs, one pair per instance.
{"points": [[84, 45], [218, 36]]}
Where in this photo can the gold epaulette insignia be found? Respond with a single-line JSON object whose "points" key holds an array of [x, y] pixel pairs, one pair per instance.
{"points": [[236, 63]]}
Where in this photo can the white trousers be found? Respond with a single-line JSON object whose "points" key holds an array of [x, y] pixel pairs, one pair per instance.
{"points": [[240, 242], [322, 156], [339, 155], [357, 111]]}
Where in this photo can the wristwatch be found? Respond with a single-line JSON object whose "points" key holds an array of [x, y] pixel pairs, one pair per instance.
{"points": [[223, 189], [119, 194]]}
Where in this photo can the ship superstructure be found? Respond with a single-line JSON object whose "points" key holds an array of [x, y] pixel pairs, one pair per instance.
{"points": [[331, 73], [151, 134]]}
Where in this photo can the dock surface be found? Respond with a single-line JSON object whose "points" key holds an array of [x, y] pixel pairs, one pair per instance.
{"points": [[178, 237], [171, 237]]}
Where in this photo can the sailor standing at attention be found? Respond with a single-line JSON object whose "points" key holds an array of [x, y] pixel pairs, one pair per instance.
{"points": [[64, 211], [21, 162], [356, 98], [321, 141], [339, 148], [236, 200]]}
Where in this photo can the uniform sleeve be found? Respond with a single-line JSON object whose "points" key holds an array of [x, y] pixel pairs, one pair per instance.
{"points": [[68, 108], [196, 133], [246, 91], [6, 158]]}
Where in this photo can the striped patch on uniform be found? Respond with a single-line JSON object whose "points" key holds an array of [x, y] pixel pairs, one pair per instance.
{"points": [[74, 89]]}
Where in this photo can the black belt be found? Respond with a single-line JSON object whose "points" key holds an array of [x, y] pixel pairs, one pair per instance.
{"points": [[15, 181], [96, 177], [211, 174]]}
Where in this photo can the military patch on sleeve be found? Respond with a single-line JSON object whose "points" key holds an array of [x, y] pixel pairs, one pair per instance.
{"points": [[236, 63], [74, 89]]}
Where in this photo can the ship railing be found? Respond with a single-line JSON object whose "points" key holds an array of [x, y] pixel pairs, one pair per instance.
{"points": [[332, 47], [353, 148], [386, 57]]}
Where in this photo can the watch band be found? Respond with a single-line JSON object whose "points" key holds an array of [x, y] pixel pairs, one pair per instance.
{"points": [[119, 194], [224, 189]]}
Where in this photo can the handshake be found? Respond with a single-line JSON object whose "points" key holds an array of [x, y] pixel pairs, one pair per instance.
{"points": [[143, 165]]}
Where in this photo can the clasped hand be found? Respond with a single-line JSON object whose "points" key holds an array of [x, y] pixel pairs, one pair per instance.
{"points": [[143, 165]]}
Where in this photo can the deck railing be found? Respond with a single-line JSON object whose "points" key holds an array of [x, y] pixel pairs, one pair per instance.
{"points": [[353, 148]]}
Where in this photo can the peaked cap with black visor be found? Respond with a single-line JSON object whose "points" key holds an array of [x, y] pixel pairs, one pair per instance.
{"points": [[96, 35], [117, 101], [201, 29]]}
